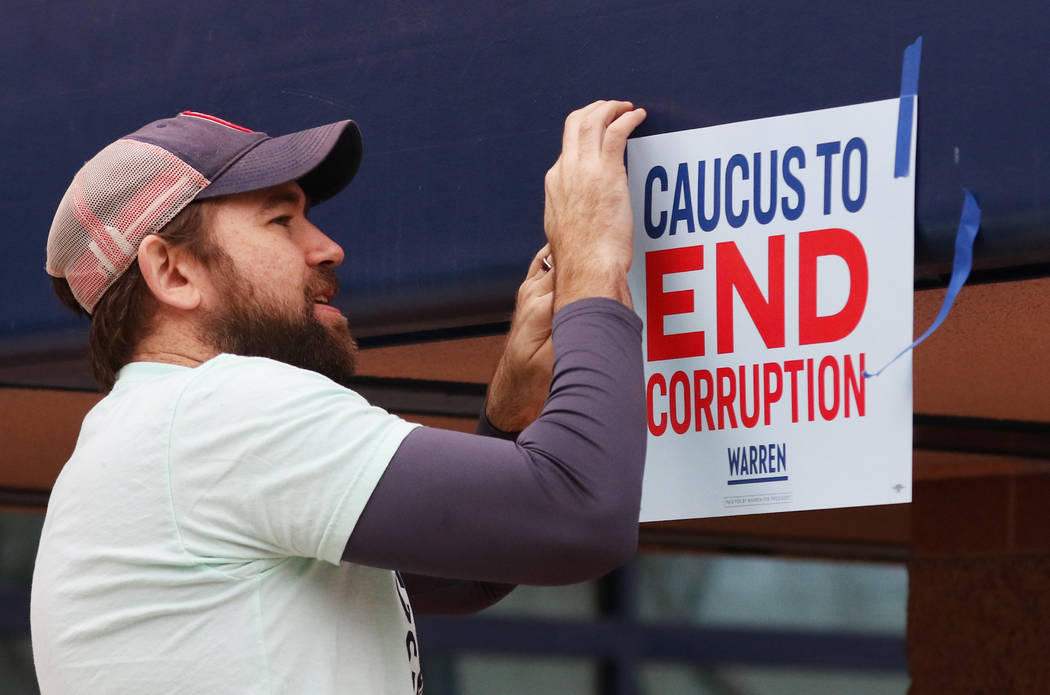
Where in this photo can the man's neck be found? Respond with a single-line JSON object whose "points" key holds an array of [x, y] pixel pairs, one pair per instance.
{"points": [[174, 345], [168, 357]]}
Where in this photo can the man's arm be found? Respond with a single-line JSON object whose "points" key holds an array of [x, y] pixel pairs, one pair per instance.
{"points": [[525, 366], [522, 379], [588, 212], [515, 397], [560, 504], [434, 595]]}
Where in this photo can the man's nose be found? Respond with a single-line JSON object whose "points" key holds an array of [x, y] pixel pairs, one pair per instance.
{"points": [[321, 250]]}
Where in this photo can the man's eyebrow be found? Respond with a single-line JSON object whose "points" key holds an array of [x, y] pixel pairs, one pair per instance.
{"points": [[278, 198]]}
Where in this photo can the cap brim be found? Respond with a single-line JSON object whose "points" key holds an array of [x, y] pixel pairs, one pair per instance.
{"points": [[323, 160]]}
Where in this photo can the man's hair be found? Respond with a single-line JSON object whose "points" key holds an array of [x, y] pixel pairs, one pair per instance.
{"points": [[122, 316]]}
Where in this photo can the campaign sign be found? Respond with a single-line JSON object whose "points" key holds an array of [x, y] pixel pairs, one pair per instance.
{"points": [[773, 264]]}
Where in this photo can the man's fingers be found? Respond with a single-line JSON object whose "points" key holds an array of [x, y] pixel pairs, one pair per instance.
{"points": [[536, 266], [611, 110], [538, 280], [616, 134], [535, 285], [570, 138], [589, 125], [585, 127], [534, 318], [597, 121], [544, 283]]}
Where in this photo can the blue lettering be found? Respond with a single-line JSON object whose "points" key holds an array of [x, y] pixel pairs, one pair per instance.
{"points": [[828, 150], [765, 216], [749, 462], [655, 230], [737, 161], [683, 202], [709, 223], [854, 145], [796, 154], [734, 461]]}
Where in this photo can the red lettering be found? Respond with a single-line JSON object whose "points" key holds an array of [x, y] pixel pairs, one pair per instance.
{"points": [[680, 426], [793, 367], [656, 380], [659, 304], [811, 246], [731, 272], [771, 396], [726, 396], [829, 362], [809, 392], [752, 419], [855, 384], [703, 403], [731, 397]]}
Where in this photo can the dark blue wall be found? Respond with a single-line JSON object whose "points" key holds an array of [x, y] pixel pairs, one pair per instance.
{"points": [[461, 105]]}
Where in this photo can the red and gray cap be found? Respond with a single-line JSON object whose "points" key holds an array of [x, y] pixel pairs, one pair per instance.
{"points": [[137, 184]]}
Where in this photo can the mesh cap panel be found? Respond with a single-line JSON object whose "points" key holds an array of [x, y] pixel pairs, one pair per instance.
{"points": [[126, 191]]}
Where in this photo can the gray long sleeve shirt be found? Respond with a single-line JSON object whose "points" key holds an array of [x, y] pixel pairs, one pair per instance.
{"points": [[558, 505]]}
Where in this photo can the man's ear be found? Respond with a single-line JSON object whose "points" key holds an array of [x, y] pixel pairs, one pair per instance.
{"points": [[173, 275]]}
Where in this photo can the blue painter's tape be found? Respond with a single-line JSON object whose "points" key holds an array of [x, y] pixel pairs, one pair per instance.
{"points": [[910, 69], [969, 223], [905, 116], [906, 110]]}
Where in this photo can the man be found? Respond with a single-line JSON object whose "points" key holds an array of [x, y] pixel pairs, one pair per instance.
{"points": [[233, 519]]}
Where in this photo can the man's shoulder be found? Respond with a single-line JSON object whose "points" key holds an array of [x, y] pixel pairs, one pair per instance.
{"points": [[259, 371], [250, 384]]}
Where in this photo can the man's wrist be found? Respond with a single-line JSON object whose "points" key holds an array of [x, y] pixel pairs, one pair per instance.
{"points": [[487, 428], [610, 287], [600, 274]]}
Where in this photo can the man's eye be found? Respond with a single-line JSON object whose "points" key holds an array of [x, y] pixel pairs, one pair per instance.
{"points": [[283, 220]]}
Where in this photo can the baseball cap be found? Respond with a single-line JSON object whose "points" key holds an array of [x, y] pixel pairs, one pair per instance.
{"points": [[136, 185]]}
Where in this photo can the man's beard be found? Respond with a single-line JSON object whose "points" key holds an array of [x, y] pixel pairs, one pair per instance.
{"points": [[255, 326]]}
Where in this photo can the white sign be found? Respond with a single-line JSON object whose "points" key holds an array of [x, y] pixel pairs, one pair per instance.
{"points": [[773, 264]]}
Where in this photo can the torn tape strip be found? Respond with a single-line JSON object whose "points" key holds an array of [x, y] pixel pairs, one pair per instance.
{"points": [[906, 109], [969, 222]]}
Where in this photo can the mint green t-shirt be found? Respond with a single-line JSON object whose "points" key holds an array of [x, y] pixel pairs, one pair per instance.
{"points": [[192, 542]]}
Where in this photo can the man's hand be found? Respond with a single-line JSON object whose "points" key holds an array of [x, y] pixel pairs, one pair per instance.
{"points": [[588, 212], [523, 377]]}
